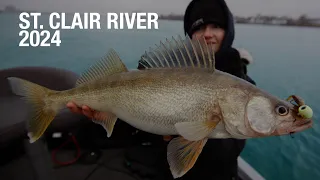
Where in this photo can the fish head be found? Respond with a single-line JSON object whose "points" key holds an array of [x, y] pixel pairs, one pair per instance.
{"points": [[267, 115], [298, 118]]}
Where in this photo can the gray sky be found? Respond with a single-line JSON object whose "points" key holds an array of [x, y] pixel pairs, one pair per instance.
{"points": [[292, 8]]}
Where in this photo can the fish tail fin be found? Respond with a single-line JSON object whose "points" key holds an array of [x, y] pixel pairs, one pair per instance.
{"points": [[42, 113]]}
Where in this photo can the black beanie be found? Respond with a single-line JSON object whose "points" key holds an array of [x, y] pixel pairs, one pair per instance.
{"points": [[204, 12]]}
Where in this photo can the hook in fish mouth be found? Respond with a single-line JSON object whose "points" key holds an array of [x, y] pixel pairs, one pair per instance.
{"points": [[303, 111], [298, 100]]}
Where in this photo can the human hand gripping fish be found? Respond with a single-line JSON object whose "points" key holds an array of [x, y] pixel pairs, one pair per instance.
{"points": [[179, 93]]}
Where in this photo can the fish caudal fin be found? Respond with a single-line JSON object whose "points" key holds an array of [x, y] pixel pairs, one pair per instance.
{"points": [[183, 154], [42, 114]]}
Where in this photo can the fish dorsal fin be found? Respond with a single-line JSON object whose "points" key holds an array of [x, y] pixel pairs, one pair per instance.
{"points": [[179, 53], [106, 66]]}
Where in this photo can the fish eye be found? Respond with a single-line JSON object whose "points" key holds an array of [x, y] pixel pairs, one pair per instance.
{"points": [[282, 110]]}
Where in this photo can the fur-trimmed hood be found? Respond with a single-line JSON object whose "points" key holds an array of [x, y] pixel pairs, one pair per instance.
{"points": [[245, 55]]}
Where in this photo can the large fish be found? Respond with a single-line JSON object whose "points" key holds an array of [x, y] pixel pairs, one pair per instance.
{"points": [[179, 93]]}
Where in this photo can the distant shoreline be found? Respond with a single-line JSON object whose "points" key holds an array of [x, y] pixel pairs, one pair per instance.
{"points": [[283, 25], [288, 23], [238, 20]]}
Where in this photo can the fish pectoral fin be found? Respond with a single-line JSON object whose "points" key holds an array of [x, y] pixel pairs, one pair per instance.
{"points": [[183, 154], [194, 131], [107, 120], [108, 65]]}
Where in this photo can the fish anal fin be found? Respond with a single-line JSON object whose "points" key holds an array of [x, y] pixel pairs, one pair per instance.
{"points": [[183, 154], [106, 66], [107, 120], [180, 53]]}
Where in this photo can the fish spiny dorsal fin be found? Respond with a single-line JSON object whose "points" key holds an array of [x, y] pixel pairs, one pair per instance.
{"points": [[161, 53], [174, 52], [179, 53], [106, 66]]}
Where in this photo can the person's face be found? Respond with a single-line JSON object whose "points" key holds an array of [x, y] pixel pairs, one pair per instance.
{"points": [[213, 35]]}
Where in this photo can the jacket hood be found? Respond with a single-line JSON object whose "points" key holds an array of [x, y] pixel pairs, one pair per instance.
{"points": [[228, 26]]}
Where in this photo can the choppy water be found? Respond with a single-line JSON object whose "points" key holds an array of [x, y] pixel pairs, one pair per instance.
{"points": [[287, 61]]}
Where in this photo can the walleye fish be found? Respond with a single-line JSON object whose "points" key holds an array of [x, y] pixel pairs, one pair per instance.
{"points": [[179, 93]]}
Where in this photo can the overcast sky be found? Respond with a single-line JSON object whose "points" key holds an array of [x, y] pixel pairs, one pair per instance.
{"points": [[239, 7]]}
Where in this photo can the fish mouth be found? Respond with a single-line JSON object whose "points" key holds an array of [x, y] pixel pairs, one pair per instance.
{"points": [[296, 126], [302, 125]]}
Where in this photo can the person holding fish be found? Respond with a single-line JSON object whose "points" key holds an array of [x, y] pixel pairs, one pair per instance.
{"points": [[192, 100], [213, 21]]}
